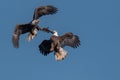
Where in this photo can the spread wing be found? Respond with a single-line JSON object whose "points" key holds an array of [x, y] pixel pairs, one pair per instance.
{"points": [[44, 47], [19, 29], [15, 37], [44, 10], [69, 39]]}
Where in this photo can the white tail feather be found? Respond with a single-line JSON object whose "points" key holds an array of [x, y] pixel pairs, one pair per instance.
{"points": [[61, 54]]}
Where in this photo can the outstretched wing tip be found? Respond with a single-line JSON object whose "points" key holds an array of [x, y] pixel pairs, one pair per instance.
{"points": [[44, 47], [15, 40], [69, 39], [44, 10]]}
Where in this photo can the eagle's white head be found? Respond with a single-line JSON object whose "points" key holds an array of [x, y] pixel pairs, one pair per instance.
{"points": [[35, 22], [55, 33]]}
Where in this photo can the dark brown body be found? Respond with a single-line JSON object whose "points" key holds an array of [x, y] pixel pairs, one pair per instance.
{"points": [[24, 28]]}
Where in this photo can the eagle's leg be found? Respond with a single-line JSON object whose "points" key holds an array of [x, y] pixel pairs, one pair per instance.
{"points": [[32, 34]]}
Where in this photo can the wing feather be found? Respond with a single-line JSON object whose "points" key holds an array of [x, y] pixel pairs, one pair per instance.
{"points": [[44, 10], [44, 47], [69, 39], [15, 37], [19, 29]]}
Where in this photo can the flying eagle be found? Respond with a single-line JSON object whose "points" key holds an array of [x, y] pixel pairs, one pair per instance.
{"points": [[57, 43], [25, 28], [32, 27]]}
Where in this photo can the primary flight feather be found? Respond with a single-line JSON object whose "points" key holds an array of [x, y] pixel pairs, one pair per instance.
{"points": [[44, 10]]}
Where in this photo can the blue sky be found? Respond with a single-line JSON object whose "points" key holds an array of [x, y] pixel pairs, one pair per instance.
{"points": [[96, 22]]}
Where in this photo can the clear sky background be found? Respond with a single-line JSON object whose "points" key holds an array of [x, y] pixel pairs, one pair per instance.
{"points": [[96, 22]]}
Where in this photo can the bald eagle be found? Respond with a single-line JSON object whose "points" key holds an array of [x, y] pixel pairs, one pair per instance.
{"points": [[26, 28], [32, 27], [57, 43], [39, 12]]}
